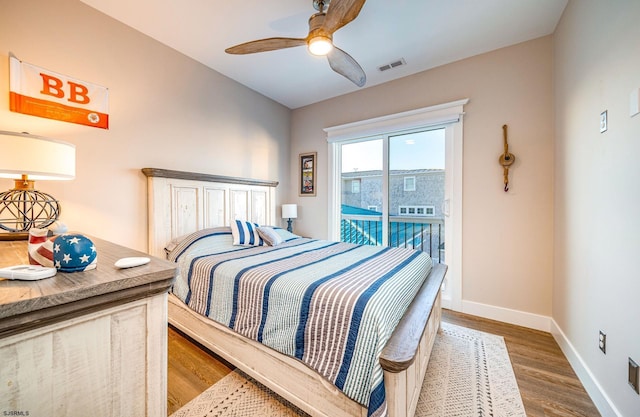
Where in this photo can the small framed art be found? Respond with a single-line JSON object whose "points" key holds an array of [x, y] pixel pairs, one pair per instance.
{"points": [[307, 174]]}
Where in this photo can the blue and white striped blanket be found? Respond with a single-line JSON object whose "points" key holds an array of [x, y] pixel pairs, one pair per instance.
{"points": [[332, 305]]}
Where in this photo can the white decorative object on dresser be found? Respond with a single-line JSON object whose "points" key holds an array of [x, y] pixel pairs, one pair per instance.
{"points": [[90, 343]]}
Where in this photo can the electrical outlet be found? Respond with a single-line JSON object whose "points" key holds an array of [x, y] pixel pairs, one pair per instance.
{"points": [[602, 342], [633, 376]]}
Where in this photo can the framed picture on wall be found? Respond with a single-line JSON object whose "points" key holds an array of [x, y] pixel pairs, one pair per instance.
{"points": [[307, 174]]}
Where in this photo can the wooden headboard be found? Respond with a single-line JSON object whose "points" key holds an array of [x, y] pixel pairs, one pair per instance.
{"points": [[183, 202]]}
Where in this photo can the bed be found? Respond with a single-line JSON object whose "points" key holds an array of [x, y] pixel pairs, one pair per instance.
{"points": [[190, 212]]}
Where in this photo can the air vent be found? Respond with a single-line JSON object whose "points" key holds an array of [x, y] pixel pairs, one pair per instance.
{"points": [[397, 63]]}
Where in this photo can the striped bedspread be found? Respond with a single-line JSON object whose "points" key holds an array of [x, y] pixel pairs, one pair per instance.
{"points": [[332, 305]]}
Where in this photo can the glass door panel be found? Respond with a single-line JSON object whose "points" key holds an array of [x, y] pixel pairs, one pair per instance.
{"points": [[362, 192], [417, 191]]}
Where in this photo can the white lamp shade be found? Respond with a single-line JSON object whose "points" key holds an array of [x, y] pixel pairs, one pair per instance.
{"points": [[289, 211], [38, 157]]}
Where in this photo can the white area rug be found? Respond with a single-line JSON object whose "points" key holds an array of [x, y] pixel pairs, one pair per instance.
{"points": [[469, 375]]}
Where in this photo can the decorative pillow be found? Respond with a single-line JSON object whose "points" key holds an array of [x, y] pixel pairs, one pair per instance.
{"points": [[270, 236], [246, 233]]}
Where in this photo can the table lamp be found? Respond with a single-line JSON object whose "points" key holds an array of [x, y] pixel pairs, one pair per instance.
{"points": [[26, 158], [289, 211]]}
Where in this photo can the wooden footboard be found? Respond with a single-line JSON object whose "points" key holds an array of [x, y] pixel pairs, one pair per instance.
{"points": [[404, 358], [406, 355]]}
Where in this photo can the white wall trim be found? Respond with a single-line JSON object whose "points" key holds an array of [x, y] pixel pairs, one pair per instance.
{"points": [[507, 315], [590, 383]]}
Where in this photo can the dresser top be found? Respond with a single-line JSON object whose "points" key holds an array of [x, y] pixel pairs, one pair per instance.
{"points": [[28, 304]]}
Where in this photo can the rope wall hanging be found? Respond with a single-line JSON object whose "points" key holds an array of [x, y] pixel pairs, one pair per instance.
{"points": [[506, 159]]}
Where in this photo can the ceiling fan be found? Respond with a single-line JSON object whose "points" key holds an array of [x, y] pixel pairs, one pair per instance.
{"points": [[319, 41]]}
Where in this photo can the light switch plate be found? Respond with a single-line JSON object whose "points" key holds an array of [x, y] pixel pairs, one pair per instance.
{"points": [[603, 121]]}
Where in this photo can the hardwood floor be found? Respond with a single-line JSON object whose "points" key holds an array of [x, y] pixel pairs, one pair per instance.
{"points": [[192, 369], [548, 385]]}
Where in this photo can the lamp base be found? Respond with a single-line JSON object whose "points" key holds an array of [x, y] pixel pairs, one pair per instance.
{"points": [[23, 209], [289, 228]]}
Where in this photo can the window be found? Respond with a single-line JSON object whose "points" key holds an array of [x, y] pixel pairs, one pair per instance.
{"points": [[372, 208], [426, 211], [409, 183], [355, 186]]}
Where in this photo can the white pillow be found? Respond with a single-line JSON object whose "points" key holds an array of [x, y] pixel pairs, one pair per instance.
{"points": [[246, 233], [270, 236]]}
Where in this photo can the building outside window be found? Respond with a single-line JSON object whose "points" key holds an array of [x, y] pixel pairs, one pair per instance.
{"points": [[415, 220], [363, 189]]}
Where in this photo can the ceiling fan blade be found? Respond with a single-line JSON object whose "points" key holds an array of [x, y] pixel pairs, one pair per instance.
{"points": [[342, 63], [263, 45], [341, 12]]}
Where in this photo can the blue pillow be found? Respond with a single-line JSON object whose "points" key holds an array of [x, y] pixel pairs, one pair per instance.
{"points": [[246, 233]]}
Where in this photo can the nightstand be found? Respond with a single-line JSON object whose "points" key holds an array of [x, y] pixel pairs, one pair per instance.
{"points": [[90, 343]]}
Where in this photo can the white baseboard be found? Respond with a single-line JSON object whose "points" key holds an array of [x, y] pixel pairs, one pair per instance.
{"points": [[598, 396], [519, 318]]}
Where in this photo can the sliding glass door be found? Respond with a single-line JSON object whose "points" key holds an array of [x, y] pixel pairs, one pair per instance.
{"points": [[392, 191], [416, 178], [361, 190]]}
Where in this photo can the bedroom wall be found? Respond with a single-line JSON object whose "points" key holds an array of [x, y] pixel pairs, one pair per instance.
{"points": [[507, 237], [597, 196], [166, 111]]}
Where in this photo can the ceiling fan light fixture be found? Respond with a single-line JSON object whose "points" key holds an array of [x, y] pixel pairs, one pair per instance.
{"points": [[319, 40], [320, 45]]}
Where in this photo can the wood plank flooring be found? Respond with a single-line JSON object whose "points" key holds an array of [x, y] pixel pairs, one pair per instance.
{"points": [[548, 385], [192, 369]]}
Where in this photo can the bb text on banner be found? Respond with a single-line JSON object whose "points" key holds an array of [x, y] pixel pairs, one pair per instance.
{"points": [[40, 92]]}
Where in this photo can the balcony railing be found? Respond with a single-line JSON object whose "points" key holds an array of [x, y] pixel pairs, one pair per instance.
{"points": [[421, 233]]}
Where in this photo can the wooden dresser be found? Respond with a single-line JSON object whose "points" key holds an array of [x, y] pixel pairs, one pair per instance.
{"points": [[90, 343]]}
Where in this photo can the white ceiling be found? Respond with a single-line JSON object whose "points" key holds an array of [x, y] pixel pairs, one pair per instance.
{"points": [[426, 33]]}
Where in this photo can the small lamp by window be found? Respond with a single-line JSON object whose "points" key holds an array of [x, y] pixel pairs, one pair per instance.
{"points": [[26, 158], [289, 211]]}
